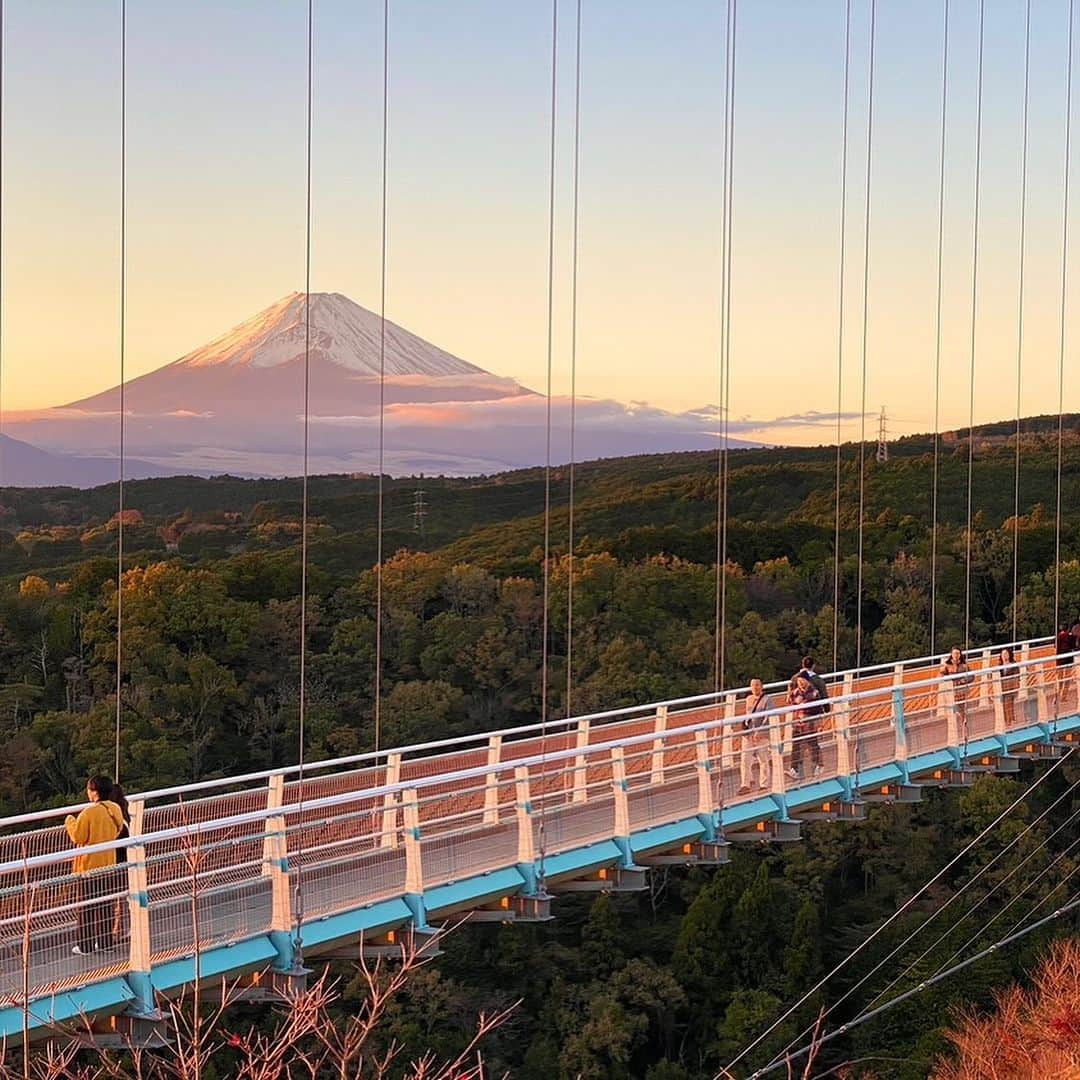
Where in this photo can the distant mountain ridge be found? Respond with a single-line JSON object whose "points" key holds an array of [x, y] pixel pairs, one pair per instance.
{"points": [[235, 405]]}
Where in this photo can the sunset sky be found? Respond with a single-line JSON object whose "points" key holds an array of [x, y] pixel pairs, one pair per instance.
{"points": [[216, 115]]}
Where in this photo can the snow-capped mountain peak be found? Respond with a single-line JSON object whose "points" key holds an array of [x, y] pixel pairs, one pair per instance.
{"points": [[341, 332]]}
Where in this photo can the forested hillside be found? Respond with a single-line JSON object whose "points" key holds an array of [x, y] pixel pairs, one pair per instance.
{"points": [[666, 985]]}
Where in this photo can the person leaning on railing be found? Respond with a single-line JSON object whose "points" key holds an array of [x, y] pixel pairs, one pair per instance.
{"points": [[99, 823]]}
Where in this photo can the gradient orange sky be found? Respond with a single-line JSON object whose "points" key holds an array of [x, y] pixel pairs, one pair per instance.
{"points": [[216, 194]]}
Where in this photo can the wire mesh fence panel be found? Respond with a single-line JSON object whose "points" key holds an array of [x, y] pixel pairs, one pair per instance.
{"points": [[873, 743], [927, 731], [441, 764], [672, 801], [212, 915], [476, 850], [812, 756], [351, 880], [981, 721], [325, 786], [44, 925], [568, 827]]}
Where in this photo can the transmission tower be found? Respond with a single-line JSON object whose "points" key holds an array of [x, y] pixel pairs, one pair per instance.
{"points": [[882, 439], [419, 508]]}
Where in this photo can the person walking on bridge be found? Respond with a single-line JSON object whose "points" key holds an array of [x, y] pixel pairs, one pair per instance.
{"points": [[755, 738], [807, 724], [99, 823]]}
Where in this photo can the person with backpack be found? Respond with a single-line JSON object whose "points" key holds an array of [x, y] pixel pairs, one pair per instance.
{"points": [[99, 823], [755, 738]]}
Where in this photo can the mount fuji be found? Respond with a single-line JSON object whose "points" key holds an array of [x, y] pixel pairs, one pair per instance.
{"points": [[236, 405]]}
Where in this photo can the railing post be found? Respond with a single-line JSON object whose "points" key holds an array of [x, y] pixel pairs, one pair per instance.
{"points": [[526, 841], [986, 678], [776, 754], [842, 733], [899, 723], [618, 786], [704, 773], [727, 755], [276, 863], [656, 775], [389, 837], [1042, 699], [275, 796], [581, 790], [139, 918], [1025, 674], [999, 703], [947, 704], [414, 868], [491, 781]]}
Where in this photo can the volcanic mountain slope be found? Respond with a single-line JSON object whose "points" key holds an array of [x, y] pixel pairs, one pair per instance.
{"points": [[236, 405]]}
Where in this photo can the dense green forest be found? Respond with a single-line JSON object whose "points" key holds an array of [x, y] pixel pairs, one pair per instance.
{"points": [[666, 985]]}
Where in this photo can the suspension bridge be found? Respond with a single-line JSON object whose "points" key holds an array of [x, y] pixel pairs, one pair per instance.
{"points": [[247, 881]]}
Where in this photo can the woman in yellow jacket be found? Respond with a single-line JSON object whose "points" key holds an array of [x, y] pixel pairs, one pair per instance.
{"points": [[99, 823]]}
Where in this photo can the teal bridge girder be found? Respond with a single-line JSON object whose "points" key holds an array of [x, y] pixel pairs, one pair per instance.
{"points": [[415, 836]]}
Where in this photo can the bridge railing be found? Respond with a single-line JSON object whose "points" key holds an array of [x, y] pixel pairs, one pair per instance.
{"points": [[206, 880], [220, 796]]}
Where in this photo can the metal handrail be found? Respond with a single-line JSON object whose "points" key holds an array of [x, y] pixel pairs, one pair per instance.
{"points": [[419, 783], [480, 738]]}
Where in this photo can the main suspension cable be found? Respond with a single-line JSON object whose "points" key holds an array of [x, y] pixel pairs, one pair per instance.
{"points": [[937, 331], [1064, 311], [123, 380], [971, 845], [921, 927], [1020, 316], [865, 332], [960, 892], [974, 328], [820, 1041], [840, 293]]}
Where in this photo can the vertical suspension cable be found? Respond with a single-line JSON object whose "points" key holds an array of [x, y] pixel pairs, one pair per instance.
{"points": [[937, 330], [1064, 312], [545, 619], [299, 893], [1020, 315], [865, 330], [974, 327], [725, 448], [840, 331], [382, 378], [719, 643], [123, 348], [573, 367]]}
